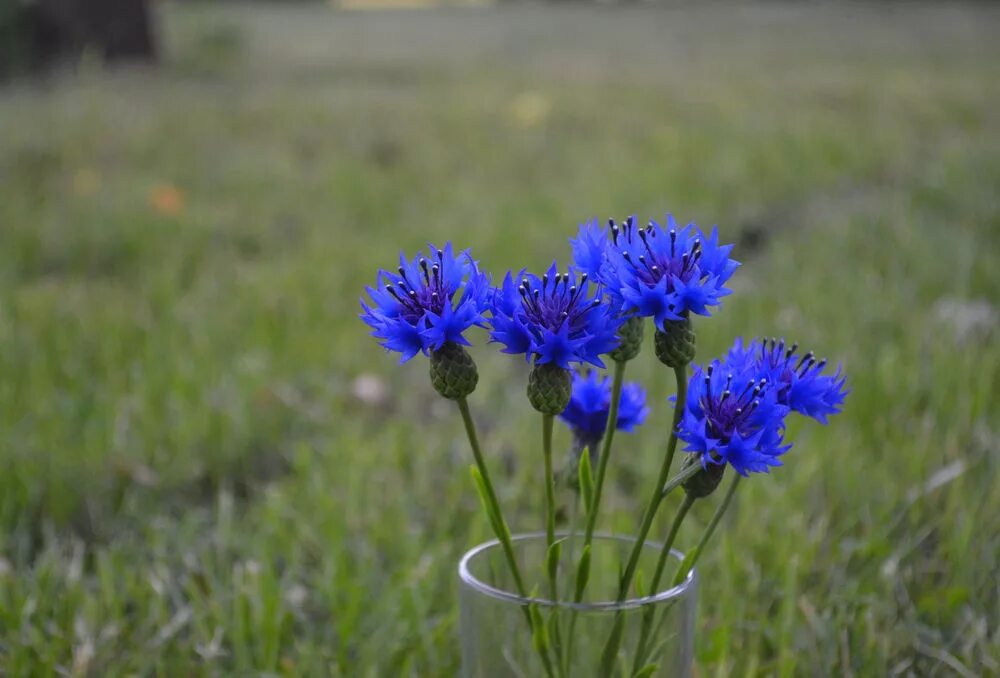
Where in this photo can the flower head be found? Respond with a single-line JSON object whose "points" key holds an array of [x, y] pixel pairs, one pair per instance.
{"points": [[554, 319], [736, 408], [429, 301], [799, 379], [587, 412], [733, 416], [663, 273]]}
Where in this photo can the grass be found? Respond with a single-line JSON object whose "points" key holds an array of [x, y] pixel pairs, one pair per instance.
{"points": [[190, 484]]}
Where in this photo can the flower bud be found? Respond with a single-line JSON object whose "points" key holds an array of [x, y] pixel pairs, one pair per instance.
{"points": [[453, 373], [704, 482], [549, 388], [630, 334], [675, 343]]}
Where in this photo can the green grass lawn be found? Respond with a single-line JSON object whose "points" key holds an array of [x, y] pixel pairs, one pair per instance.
{"points": [[189, 484]]}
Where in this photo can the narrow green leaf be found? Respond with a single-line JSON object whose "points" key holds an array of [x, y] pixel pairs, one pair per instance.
{"points": [[498, 526], [582, 572], [646, 671], [552, 558], [640, 585], [685, 566], [540, 635], [586, 480]]}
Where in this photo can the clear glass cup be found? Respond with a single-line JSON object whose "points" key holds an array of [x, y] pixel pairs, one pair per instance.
{"points": [[656, 631]]}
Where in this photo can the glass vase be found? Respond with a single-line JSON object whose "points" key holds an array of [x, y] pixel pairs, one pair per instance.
{"points": [[600, 636]]}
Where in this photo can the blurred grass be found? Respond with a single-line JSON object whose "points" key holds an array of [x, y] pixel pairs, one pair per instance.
{"points": [[189, 483]]}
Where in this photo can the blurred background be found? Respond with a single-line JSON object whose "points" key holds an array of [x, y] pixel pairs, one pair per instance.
{"points": [[206, 465]]}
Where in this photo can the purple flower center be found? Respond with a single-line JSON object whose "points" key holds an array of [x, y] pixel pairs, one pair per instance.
{"points": [[730, 412], [429, 294], [649, 265], [559, 305]]}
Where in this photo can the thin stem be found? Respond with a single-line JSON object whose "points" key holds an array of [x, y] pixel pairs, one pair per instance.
{"points": [[659, 491], [551, 567], [675, 526], [682, 572], [686, 473], [550, 484], [503, 536], [662, 487], [602, 463], [602, 467], [503, 533], [574, 520], [719, 512], [661, 563]]}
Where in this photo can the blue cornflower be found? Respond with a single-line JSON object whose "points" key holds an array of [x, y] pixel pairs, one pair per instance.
{"points": [[799, 380], [554, 319], [430, 301], [663, 273], [732, 416], [587, 412]]}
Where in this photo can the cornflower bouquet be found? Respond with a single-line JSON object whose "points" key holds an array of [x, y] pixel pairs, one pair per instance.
{"points": [[581, 602]]}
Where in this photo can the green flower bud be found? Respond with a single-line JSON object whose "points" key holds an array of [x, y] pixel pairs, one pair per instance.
{"points": [[675, 343], [453, 372], [549, 388], [704, 482], [630, 334]]}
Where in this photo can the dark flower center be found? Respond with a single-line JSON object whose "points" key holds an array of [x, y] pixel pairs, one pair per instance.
{"points": [[730, 412], [648, 265], [562, 303], [429, 293]]}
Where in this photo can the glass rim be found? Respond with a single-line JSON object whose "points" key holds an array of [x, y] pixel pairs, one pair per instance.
{"points": [[469, 579]]}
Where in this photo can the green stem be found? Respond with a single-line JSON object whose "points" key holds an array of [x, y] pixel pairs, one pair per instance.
{"points": [[574, 521], [602, 463], [503, 536], [602, 467], [675, 526], [682, 573], [719, 512], [662, 487], [550, 487], [503, 533], [551, 559], [687, 472], [661, 563], [660, 490], [570, 637]]}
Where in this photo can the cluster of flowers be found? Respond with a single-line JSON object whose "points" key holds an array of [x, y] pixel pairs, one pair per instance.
{"points": [[735, 408], [730, 413]]}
